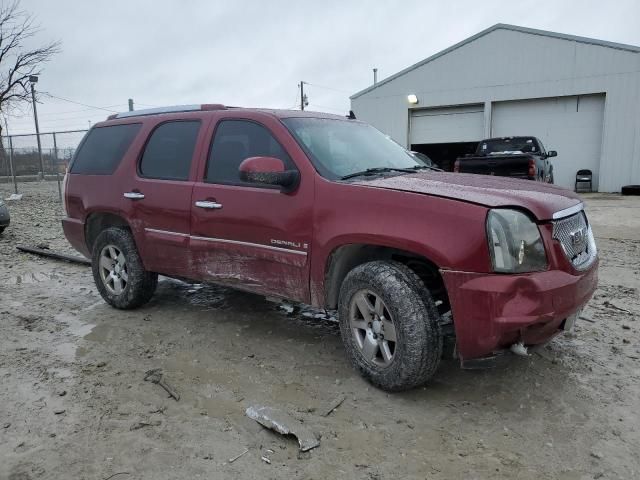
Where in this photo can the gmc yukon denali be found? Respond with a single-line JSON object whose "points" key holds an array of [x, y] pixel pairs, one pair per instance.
{"points": [[328, 211], [516, 157]]}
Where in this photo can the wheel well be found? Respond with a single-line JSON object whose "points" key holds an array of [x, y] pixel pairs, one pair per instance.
{"points": [[97, 222], [346, 258]]}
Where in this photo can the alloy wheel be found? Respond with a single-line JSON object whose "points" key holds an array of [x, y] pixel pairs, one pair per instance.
{"points": [[113, 269], [372, 328]]}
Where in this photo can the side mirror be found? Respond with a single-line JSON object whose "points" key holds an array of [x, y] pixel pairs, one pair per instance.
{"points": [[552, 153], [268, 171]]}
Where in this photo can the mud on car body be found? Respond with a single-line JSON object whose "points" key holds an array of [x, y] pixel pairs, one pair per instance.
{"points": [[328, 211]]}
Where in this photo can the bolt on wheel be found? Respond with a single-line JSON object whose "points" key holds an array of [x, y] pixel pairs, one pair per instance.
{"points": [[113, 269], [372, 328]]}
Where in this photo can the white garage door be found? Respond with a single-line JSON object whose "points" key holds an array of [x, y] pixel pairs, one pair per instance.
{"points": [[447, 125], [570, 125]]}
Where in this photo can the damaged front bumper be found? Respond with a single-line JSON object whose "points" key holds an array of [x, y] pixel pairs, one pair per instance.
{"points": [[491, 312]]}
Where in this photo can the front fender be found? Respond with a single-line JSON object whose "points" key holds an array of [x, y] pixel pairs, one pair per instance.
{"points": [[448, 233]]}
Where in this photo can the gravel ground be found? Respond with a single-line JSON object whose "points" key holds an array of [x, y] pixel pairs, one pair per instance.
{"points": [[75, 403]]}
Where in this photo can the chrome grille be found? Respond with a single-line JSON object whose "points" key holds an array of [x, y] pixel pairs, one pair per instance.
{"points": [[576, 238]]}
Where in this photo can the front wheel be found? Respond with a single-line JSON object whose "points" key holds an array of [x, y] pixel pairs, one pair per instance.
{"points": [[118, 270], [389, 325]]}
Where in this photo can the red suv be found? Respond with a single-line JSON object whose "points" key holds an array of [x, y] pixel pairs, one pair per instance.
{"points": [[328, 211]]}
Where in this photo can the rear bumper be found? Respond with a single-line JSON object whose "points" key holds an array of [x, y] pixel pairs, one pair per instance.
{"points": [[74, 231], [491, 312]]}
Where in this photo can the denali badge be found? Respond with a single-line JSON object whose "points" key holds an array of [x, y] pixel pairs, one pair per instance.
{"points": [[287, 243]]}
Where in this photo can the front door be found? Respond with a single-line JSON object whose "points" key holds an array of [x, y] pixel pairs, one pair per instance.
{"points": [[251, 236]]}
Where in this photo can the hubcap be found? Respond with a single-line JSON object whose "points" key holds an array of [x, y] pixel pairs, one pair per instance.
{"points": [[372, 328], [113, 269]]}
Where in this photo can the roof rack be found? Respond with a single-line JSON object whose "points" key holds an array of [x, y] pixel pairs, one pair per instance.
{"points": [[171, 109]]}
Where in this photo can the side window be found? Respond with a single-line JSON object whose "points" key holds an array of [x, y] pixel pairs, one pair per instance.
{"points": [[542, 150], [103, 148], [169, 151], [236, 140]]}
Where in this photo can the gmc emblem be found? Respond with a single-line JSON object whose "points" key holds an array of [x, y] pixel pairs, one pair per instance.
{"points": [[579, 239]]}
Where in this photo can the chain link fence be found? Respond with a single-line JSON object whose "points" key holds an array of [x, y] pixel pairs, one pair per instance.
{"points": [[21, 161]]}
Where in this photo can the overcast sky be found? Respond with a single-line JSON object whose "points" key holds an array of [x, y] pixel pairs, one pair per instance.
{"points": [[254, 53]]}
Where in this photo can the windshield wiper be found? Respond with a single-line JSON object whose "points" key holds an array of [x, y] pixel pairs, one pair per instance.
{"points": [[373, 171], [425, 167]]}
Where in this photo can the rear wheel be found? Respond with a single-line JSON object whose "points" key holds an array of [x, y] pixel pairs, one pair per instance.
{"points": [[118, 271], [390, 325]]}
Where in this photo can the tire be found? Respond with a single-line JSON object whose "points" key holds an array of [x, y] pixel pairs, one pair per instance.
{"points": [[2, 230], [630, 190], [417, 349], [129, 285]]}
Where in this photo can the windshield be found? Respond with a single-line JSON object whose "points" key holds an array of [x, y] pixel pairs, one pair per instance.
{"points": [[339, 148], [509, 145]]}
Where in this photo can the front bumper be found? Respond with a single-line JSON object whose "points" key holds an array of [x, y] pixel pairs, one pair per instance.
{"points": [[492, 311]]}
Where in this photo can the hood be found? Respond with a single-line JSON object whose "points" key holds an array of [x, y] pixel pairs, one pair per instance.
{"points": [[541, 199]]}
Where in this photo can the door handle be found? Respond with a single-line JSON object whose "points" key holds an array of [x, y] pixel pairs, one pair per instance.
{"points": [[208, 204], [134, 195]]}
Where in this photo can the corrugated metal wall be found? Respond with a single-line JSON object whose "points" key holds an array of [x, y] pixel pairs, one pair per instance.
{"points": [[505, 65]]}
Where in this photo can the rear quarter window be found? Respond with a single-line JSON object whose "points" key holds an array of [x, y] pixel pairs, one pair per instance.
{"points": [[103, 148]]}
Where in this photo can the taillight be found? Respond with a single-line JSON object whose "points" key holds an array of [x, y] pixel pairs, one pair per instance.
{"points": [[456, 166], [532, 168]]}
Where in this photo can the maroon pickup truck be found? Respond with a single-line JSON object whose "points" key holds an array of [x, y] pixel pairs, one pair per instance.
{"points": [[328, 211]]}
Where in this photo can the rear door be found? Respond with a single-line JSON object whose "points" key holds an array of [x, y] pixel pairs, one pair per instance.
{"points": [[251, 236], [158, 196]]}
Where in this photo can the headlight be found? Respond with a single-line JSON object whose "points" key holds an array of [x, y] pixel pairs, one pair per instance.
{"points": [[515, 244]]}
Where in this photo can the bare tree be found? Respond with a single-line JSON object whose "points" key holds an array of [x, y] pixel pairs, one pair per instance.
{"points": [[18, 60]]}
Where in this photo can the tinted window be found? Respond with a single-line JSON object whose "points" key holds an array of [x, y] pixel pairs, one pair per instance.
{"points": [[236, 140], [169, 151], [103, 149]]}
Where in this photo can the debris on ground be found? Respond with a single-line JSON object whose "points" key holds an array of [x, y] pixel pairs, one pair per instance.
{"points": [[284, 424], [520, 349], [139, 425], [608, 304], [332, 406], [46, 252], [265, 460], [14, 196], [231, 460], [155, 376]]}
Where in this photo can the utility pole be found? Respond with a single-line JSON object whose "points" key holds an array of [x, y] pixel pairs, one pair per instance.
{"points": [[55, 152], [303, 98], [33, 79], [131, 104]]}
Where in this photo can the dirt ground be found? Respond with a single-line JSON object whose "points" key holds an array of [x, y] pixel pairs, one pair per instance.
{"points": [[74, 403]]}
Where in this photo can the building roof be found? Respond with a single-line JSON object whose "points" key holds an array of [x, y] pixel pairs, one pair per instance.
{"points": [[501, 26]]}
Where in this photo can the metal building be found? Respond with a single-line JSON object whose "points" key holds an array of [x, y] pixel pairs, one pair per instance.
{"points": [[580, 96]]}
